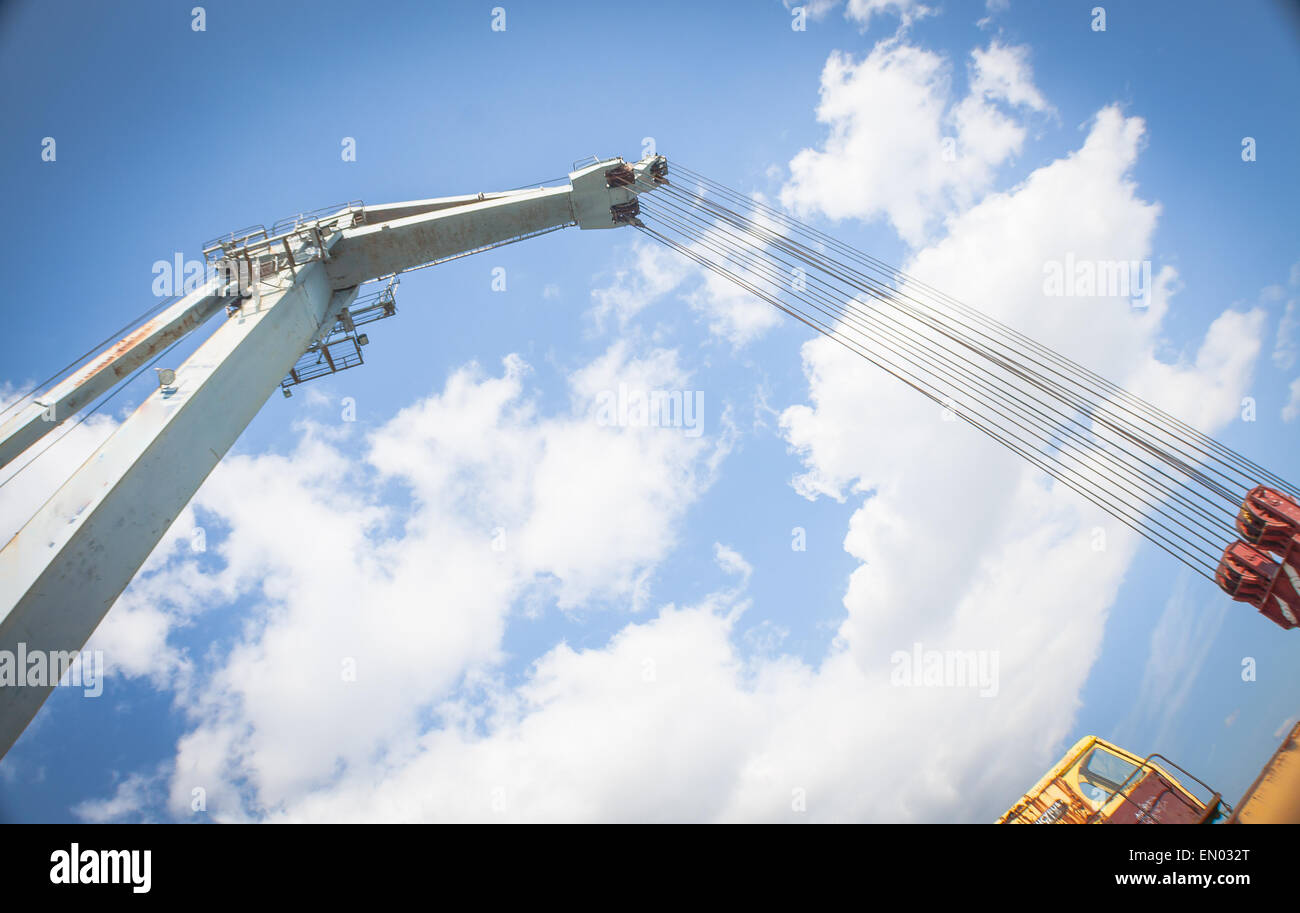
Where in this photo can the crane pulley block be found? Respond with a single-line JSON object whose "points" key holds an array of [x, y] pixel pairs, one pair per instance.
{"points": [[646, 174], [1248, 573], [605, 194], [626, 212], [1269, 519]]}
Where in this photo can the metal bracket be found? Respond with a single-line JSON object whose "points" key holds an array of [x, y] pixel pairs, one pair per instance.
{"points": [[339, 348], [251, 254]]}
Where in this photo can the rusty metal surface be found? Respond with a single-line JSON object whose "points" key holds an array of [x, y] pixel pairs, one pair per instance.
{"points": [[1068, 793], [1274, 797], [1051, 788], [1154, 800], [137, 348], [103, 372]]}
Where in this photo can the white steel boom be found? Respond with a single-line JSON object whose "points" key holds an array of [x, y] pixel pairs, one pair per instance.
{"points": [[287, 292]]}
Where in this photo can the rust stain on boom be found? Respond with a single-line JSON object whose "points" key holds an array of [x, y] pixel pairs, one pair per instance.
{"points": [[132, 351]]}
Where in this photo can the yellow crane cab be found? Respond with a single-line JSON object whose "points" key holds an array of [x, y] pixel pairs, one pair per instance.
{"points": [[1097, 782]]}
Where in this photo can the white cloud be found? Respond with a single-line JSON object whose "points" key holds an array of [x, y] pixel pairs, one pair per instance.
{"points": [[651, 727], [1291, 411], [366, 615], [669, 722], [936, 154], [730, 313], [655, 271], [863, 11], [132, 800], [961, 542], [907, 11], [816, 9], [1003, 73], [1207, 393], [732, 561], [1287, 344], [24, 488], [1179, 646]]}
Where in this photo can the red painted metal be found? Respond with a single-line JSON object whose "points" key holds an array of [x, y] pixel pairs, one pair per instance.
{"points": [[1154, 800], [1269, 519], [1247, 573]]}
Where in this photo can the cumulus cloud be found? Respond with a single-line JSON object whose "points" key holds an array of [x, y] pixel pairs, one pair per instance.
{"points": [[653, 273], [960, 542], [366, 611], [687, 730], [1206, 392], [730, 313], [900, 146]]}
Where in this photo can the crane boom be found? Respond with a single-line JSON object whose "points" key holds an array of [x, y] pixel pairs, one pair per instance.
{"points": [[284, 290], [106, 370]]}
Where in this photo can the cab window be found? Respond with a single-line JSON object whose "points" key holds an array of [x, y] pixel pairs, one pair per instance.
{"points": [[1106, 770]]}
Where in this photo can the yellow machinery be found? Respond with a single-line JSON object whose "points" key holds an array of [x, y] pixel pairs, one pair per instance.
{"points": [[1097, 782]]}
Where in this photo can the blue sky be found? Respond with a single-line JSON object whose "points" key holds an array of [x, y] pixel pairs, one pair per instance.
{"points": [[755, 670]]}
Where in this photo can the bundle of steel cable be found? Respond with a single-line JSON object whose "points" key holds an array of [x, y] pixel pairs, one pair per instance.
{"points": [[1160, 476]]}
